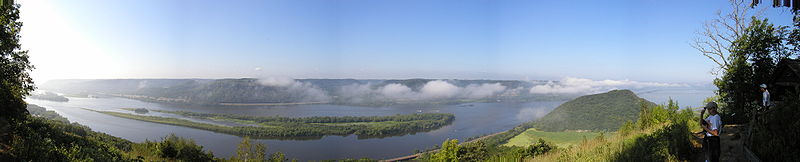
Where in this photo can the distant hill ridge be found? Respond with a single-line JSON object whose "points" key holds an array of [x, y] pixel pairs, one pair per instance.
{"points": [[287, 90], [605, 111]]}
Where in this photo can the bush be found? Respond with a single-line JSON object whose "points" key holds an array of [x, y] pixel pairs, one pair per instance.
{"points": [[473, 151], [39, 139], [480, 151], [255, 152], [172, 147]]}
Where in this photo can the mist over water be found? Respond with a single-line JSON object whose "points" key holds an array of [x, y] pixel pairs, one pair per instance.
{"points": [[446, 89], [437, 89], [531, 113], [572, 85], [685, 96]]}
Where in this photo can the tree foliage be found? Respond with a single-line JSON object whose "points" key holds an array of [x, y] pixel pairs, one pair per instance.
{"points": [[598, 112], [448, 152], [716, 39], [255, 153], [451, 150], [40, 139], [15, 81], [754, 56], [171, 147], [785, 3]]}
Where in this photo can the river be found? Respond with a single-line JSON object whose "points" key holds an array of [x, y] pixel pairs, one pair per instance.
{"points": [[472, 119]]}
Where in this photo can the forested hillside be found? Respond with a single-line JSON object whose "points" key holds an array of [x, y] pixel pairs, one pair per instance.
{"points": [[605, 111]]}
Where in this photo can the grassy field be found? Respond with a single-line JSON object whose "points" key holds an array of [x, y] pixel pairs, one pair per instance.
{"points": [[561, 139], [666, 142], [662, 133]]}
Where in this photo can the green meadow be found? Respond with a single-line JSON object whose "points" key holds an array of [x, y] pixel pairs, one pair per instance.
{"points": [[560, 139]]}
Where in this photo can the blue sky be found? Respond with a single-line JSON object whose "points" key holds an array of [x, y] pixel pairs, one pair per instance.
{"points": [[460, 39]]}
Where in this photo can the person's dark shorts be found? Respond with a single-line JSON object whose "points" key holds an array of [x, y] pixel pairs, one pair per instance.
{"points": [[712, 147]]}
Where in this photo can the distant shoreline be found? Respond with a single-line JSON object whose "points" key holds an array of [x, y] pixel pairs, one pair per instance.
{"points": [[269, 104]]}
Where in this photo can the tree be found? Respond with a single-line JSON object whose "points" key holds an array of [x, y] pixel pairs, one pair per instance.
{"points": [[785, 3], [763, 44], [15, 82], [793, 37], [473, 151], [258, 152], [277, 157], [746, 50], [736, 89], [715, 42], [247, 152], [541, 147], [179, 148], [448, 152], [753, 58]]}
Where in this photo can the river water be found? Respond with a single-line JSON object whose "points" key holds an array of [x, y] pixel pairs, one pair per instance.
{"points": [[472, 119]]}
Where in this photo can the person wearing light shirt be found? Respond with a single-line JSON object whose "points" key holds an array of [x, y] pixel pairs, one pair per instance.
{"points": [[765, 96], [711, 125]]}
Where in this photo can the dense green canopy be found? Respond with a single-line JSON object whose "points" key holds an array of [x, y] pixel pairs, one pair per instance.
{"points": [[605, 111]]}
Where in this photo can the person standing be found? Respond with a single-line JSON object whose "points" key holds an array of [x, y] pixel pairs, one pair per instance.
{"points": [[765, 96], [711, 126]]}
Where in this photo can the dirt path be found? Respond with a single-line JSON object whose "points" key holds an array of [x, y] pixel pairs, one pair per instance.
{"points": [[730, 144]]}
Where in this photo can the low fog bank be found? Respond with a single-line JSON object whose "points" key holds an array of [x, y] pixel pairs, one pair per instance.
{"points": [[347, 91], [572, 85], [432, 90], [405, 91]]}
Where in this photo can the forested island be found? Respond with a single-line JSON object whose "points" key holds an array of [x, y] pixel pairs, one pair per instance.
{"points": [[138, 110], [50, 96], [302, 128]]}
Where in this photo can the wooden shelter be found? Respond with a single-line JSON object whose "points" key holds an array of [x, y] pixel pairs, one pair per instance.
{"points": [[785, 80]]}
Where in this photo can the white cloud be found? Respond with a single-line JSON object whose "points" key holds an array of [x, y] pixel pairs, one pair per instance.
{"points": [[396, 91], [277, 81], [571, 85], [308, 91], [355, 92], [439, 89], [142, 84], [483, 90], [528, 114]]}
